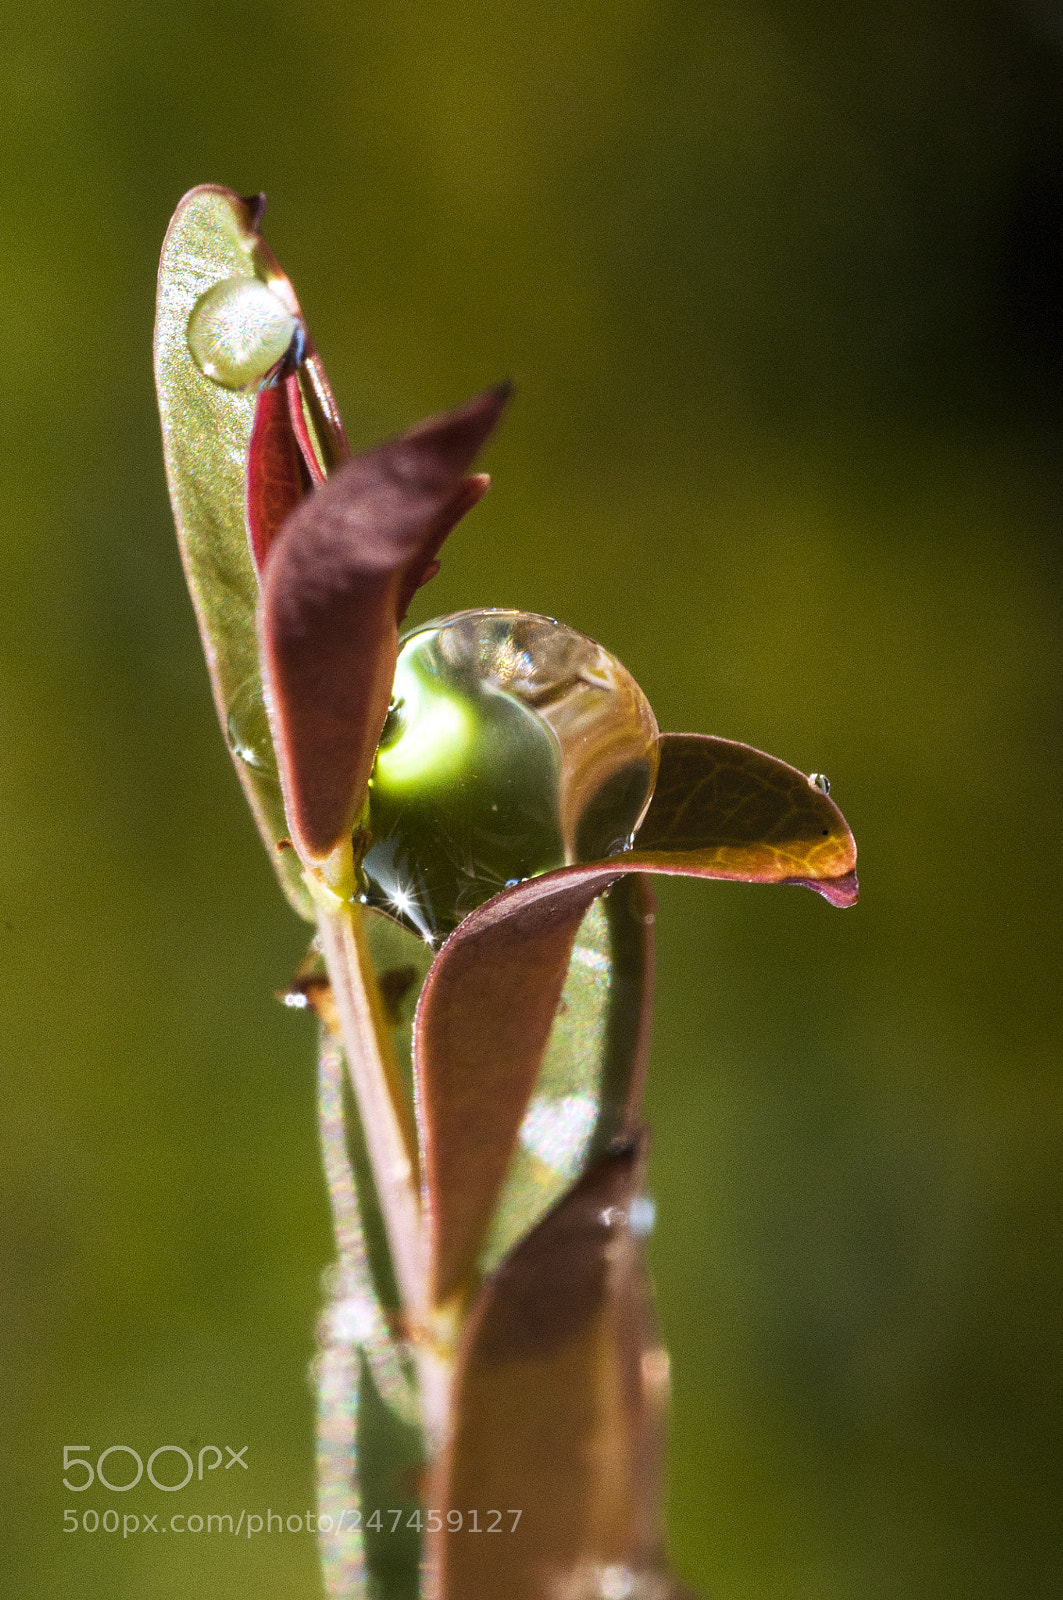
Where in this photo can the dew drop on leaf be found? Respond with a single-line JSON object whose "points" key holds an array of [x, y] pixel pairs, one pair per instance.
{"points": [[820, 781], [247, 727], [238, 331], [514, 745]]}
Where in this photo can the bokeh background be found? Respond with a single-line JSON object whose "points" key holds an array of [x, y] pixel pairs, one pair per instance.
{"points": [[782, 289]]}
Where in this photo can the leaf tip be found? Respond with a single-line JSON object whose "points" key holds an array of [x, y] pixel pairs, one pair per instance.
{"points": [[842, 892], [448, 442], [256, 208]]}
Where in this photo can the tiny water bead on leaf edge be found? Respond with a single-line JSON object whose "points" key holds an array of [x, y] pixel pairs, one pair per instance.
{"points": [[514, 745]]}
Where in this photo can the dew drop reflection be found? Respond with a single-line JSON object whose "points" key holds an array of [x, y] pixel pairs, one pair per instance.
{"points": [[513, 745], [247, 728], [239, 330], [616, 1583], [557, 1131]]}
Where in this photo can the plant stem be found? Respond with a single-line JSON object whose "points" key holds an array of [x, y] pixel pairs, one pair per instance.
{"points": [[391, 1143], [387, 1119]]}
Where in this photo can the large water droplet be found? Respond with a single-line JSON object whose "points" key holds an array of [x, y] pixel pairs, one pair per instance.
{"points": [[514, 745], [239, 330], [247, 726]]}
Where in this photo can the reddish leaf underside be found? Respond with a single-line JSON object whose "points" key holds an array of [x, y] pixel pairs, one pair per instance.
{"points": [[277, 474], [335, 585], [560, 1397], [297, 438], [482, 1025], [724, 810], [484, 1017]]}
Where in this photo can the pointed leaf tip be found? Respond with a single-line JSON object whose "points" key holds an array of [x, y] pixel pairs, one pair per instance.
{"points": [[721, 809], [335, 585], [842, 892], [442, 448], [256, 208]]}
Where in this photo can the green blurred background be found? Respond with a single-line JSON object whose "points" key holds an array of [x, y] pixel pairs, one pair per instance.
{"points": [[782, 289]]}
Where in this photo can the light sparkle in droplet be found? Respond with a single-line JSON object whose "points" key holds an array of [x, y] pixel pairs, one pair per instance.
{"points": [[238, 331]]}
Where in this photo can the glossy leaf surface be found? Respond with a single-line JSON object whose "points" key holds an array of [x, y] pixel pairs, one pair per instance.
{"points": [[559, 1407], [487, 1009], [206, 429], [335, 585]]}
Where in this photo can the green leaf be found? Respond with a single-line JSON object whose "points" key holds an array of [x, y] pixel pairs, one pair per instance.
{"points": [[559, 1405], [390, 1456], [206, 430]]}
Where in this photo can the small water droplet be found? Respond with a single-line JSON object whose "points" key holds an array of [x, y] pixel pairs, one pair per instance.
{"points": [[247, 726], [296, 999], [355, 1320], [616, 1583], [558, 1131], [820, 781], [511, 883], [238, 331], [394, 726]]}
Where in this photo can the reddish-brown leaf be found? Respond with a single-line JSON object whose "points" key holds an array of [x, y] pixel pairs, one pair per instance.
{"points": [[313, 468], [485, 1012], [325, 423], [724, 810], [277, 477], [334, 587], [558, 1412], [483, 1021]]}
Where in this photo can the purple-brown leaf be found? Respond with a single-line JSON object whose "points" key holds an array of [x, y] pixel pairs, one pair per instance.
{"points": [[334, 588], [482, 1024], [485, 1013], [277, 476], [558, 1411], [724, 810]]}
